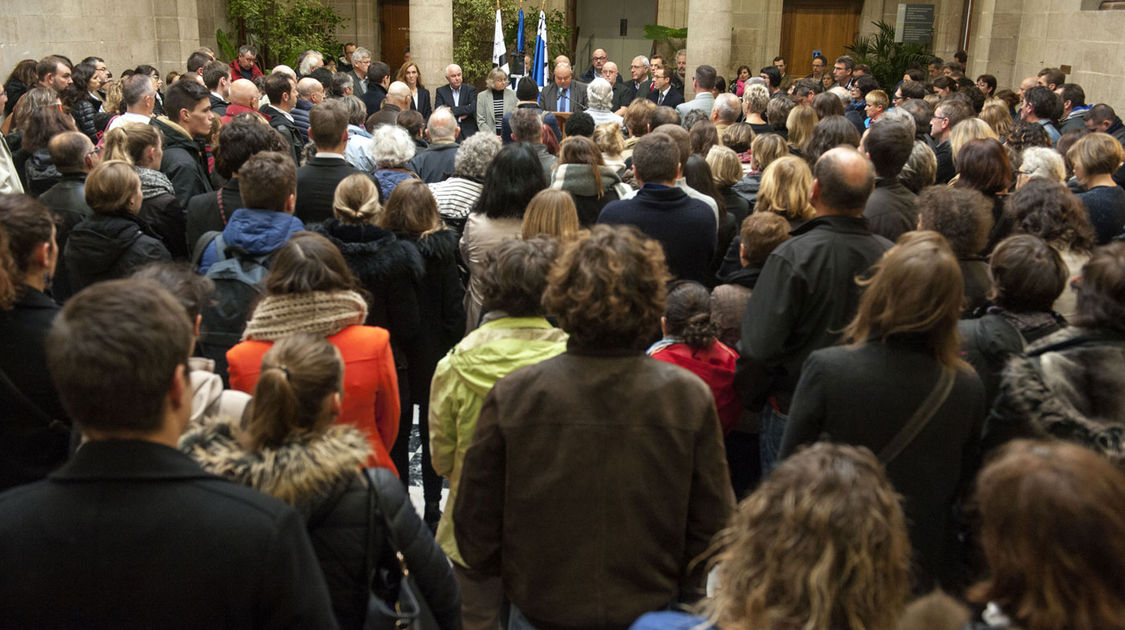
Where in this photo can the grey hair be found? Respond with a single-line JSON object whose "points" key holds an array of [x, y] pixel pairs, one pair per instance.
{"points": [[1043, 163], [247, 49], [307, 85], [359, 54], [390, 147], [357, 111], [644, 60], [756, 98], [900, 117], [442, 124], [600, 94], [308, 59], [920, 169], [449, 68], [727, 107], [286, 70], [476, 155]]}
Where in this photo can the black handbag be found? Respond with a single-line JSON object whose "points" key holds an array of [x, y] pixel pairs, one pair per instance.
{"points": [[394, 599]]}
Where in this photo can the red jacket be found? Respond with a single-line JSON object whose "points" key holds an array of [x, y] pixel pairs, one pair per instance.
{"points": [[236, 72], [235, 109], [370, 400], [715, 366]]}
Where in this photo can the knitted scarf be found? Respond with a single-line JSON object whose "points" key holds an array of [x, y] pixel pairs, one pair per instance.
{"points": [[322, 313], [154, 183]]}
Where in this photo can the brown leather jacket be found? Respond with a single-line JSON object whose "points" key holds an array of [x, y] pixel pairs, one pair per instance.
{"points": [[593, 482]]}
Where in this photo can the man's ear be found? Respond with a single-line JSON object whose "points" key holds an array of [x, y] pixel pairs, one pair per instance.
{"points": [[291, 203], [814, 192]]}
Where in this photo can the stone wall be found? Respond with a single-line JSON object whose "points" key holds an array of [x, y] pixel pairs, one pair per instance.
{"points": [[1013, 39]]}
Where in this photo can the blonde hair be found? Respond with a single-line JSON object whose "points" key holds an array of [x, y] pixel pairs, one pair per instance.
{"points": [[966, 130], [111, 186], [877, 98], [996, 114], [726, 169], [551, 212], [298, 373], [820, 545], [800, 124], [1096, 153], [766, 148], [609, 139], [357, 200], [917, 288], [128, 142], [785, 189]]}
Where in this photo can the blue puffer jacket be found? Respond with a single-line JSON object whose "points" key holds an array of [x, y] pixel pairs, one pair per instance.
{"points": [[258, 232]]}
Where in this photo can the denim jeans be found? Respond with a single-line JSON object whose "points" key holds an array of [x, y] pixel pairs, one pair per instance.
{"points": [[773, 429]]}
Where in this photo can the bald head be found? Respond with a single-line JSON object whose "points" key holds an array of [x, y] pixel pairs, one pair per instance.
{"points": [[842, 180], [243, 92], [71, 152], [311, 90], [286, 70], [398, 93], [726, 109], [442, 126]]}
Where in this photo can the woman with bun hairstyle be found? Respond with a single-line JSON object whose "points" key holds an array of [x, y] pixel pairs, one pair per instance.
{"points": [[291, 446], [690, 342], [311, 290]]}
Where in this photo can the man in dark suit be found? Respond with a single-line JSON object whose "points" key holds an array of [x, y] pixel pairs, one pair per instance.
{"points": [[216, 78], [378, 78], [361, 61], [282, 93], [565, 94], [318, 178], [138, 532], [598, 58], [638, 85], [460, 98], [622, 93], [662, 92], [396, 101]]}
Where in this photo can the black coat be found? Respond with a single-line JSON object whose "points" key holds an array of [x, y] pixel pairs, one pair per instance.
{"points": [[423, 107], [144, 538], [85, 110], [30, 444], [891, 209], [671, 99], [67, 201], [441, 309], [435, 163], [863, 396], [108, 247], [185, 162], [165, 218], [373, 98], [218, 105], [210, 211], [288, 130], [316, 187], [319, 475], [465, 111]]}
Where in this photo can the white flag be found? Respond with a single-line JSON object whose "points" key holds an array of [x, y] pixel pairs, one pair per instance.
{"points": [[499, 50]]}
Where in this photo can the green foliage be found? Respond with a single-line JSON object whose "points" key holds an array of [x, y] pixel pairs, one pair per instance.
{"points": [[888, 59], [282, 29], [227, 49], [474, 23], [666, 40]]}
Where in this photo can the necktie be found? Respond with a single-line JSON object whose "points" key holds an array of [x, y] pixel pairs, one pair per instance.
{"points": [[563, 101], [660, 99]]}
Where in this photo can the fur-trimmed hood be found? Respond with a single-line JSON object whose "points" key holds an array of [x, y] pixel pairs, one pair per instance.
{"points": [[374, 254], [305, 470], [1071, 385]]}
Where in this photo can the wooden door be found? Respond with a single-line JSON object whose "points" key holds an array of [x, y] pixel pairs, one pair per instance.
{"points": [[396, 32], [824, 25]]}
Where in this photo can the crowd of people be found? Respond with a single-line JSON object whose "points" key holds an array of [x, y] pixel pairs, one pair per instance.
{"points": [[794, 352]]}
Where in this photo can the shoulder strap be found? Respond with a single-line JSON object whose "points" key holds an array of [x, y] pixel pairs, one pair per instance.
{"points": [[921, 417], [201, 246], [29, 405]]}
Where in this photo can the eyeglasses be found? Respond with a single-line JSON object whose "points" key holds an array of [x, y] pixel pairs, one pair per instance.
{"points": [[600, 58], [94, 151]]}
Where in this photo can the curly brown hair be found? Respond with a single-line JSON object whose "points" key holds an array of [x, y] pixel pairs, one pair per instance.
{"points": [[515, 275], [962, 215], [820, 545], [607, 288], [1049, 210]]}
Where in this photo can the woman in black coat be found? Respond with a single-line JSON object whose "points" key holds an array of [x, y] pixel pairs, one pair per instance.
{"points": [[412, 214], [115, 241], [288, 446], [903, 359], [78, 96]]}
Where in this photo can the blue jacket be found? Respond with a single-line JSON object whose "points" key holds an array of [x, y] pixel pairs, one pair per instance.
{"points": [[259, 232]]}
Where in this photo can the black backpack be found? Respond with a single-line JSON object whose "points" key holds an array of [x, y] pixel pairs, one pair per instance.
{"points": [[239, 282]]}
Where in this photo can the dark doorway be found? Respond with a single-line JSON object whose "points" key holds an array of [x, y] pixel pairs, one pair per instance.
{"points": [[395, 25]]}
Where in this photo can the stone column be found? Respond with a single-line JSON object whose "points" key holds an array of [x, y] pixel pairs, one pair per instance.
{"points": [[431, 39], [709, 39]]}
